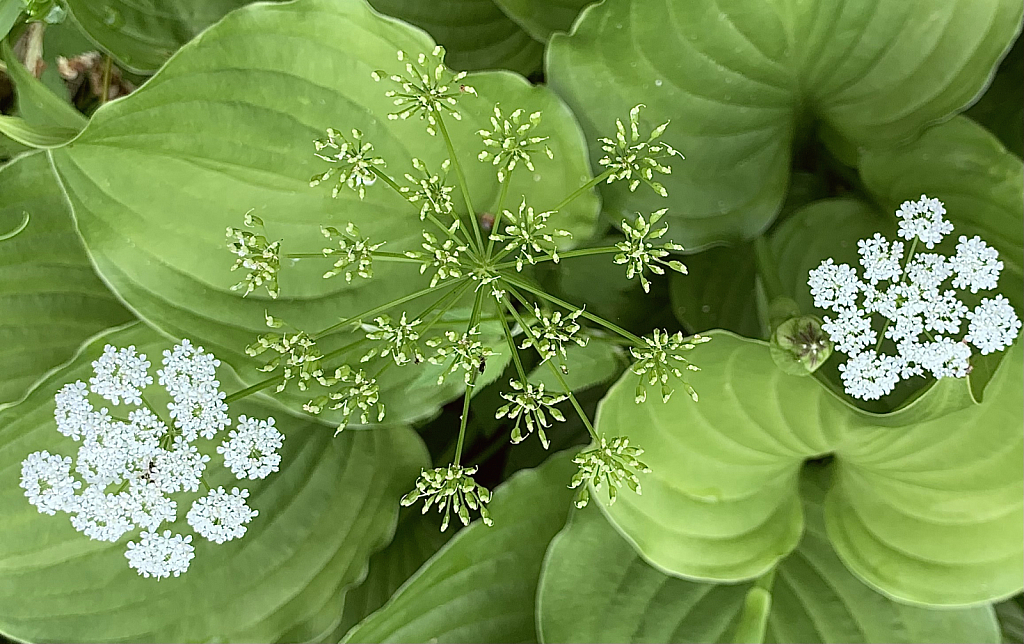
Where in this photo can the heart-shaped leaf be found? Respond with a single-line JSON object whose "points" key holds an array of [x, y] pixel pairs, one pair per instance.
{"points": [[719, 291], [333, 504], [596, 588], [481, 587], [741, 78], [50, 298], [926, 504], [228, 126]]}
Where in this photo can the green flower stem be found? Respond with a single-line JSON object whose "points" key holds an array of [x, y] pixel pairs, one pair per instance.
{"points": [[386, 306], [22, 226], [497, 213], [477, 304], [512, 342], [383, 176], [444, 306], [387, 257], [585, 187], [583, 252], [754, 617], [558, 374], [462, 180], [766, 269], [145, 403], [611, 326]]}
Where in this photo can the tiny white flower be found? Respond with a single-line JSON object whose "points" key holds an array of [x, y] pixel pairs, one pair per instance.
{"points": [[251, 448], [160, 555], [72, 409], [994, 325], [880, 258], [221, 516], [834, 286], [943, 313], [179, 468], [47, 481], [870, 376], [924, 220], [928, 270], [851, 331], [147, 507], [908, 326], [188, 368], [101, 516], [946, 358], [200, 412], [976, 265], [121, 374]]}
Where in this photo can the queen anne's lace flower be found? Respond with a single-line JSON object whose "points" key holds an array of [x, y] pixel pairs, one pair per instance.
{"points": [[634, 158], [529, 234], [354, 254], [657, 361], [48, 484], [353, 162], [121, 374], [463, 352], [975, 264], [399, 340], [511, 143], [924, 220], [430, 190], [428, 89], [128, 467], [639, 254], [251, 450], [553, 332], [442, 256], [530, 404], [918, 316], [993, 325], [160, 555], [221, 516]]}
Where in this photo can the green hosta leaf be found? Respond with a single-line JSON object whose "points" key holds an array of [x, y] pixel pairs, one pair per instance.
{"points": [[416, 540], [966, 167], [9, 12], [333, 503], [541, 18], [719, 291], [476, 33], [926, 504], [739, 79], [143, 35], [50, 298], [481, 587], [598, 362], [596, 588], [1001, 107], [228, 126]]}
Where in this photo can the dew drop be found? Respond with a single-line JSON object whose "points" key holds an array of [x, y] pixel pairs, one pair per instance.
{"points": [[657, 82], [705, 309]]}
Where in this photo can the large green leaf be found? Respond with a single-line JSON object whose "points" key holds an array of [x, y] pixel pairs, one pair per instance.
{"points": [[926, 504], [542, 18], [1011, 620], [333, 503], [596, 588], [482, 586], [228, 125], [476, 33], [968, 168], [741, 78], [50, 298]]}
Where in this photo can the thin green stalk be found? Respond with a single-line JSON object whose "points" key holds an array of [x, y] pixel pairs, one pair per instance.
{"points": [[384, 307], [587, 186], [477, 304], [611, 326], [273, 380], [383, 176], [387, 257], [583, 252], [903, 277], [558, 374], [462, 181], [107, 67], [497, 213]]}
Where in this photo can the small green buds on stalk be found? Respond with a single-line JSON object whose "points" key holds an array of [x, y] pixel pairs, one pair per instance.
{"points": [[451, 488], [613, 463], [637, 160], [353, 161], [260, 257], [655, 362], [428, 88], [509, 143], [639, 254]]}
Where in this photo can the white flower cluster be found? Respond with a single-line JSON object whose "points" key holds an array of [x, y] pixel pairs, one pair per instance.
{"points": [[918, 313], [128, 467]]}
